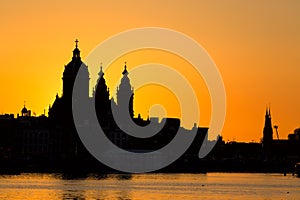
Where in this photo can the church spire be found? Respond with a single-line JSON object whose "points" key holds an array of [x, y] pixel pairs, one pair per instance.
{"points": [[76, 43], [125, 69], [70, 73], [125, 92], [267, 131], [76, 51], [268, 111], [101, 73], [101, 95]]}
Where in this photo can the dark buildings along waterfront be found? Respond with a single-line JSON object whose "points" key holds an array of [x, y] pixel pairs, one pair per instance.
{"points": [[51, 144]]}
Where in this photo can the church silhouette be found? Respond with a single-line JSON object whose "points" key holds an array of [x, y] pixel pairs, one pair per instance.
{"points": [[62, 128], [52, 144]]}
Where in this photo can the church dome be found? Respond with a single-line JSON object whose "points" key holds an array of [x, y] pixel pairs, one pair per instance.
{"points": [[73, 66], [72, 69], [24, 110]]}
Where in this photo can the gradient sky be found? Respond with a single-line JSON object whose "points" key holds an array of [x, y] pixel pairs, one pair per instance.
{"points": [[255, 44]]}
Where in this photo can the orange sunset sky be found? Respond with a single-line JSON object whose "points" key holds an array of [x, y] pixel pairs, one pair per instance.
{"points": [[255, 44]]}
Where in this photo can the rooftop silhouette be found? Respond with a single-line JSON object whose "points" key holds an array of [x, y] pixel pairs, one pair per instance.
{"points": [[51, 144]]}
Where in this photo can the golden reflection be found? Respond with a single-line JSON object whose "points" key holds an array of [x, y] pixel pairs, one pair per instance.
{"points": [[150, 186]]}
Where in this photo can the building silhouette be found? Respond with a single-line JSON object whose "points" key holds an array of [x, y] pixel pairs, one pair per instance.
{"points": [[62, 126], [267, 132], [60, 113], [125, 93], [271, 155], [51, 144]]}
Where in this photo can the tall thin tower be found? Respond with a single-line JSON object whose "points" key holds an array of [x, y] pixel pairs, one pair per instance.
{"points": [[268, 131]]}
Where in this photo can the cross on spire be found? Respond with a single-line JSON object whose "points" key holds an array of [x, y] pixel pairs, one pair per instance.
{"points": [[76, 41], [125, 69], [76, 51]]}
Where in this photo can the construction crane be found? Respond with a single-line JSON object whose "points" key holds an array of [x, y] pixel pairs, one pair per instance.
{"points": [[276, 128]]}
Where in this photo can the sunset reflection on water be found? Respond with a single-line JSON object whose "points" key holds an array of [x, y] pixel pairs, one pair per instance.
{"points": [[150, 186]]}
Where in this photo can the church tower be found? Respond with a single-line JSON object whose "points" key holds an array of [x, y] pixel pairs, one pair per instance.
{"points": [[125, 92], [102, 102], [61, 115], [268, 131], [70, 73]]}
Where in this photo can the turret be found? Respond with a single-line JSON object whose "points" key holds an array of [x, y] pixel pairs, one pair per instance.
{"points": [[125, 93]]}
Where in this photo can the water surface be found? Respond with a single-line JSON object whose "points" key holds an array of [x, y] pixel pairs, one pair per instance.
{"points": [[150, 186]]}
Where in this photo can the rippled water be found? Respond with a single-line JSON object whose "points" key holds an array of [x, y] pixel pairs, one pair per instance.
{"points": [[151, 186]]}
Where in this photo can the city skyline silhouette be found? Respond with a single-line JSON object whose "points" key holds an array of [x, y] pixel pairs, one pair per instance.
{"points": [[149, 99], [257, 56], [57, 141]]}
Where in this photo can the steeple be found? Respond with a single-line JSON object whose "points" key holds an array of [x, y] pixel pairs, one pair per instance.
{"points": [[125, 72], [100, 74], [268, 112], [76, 51], [70, 73], [267, 131], [101, 95], [101, 81], [76, 43], [125, 92]]}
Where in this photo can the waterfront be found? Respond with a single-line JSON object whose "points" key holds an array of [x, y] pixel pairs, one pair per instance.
{"points": [[151, 186]]}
